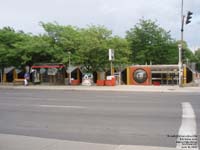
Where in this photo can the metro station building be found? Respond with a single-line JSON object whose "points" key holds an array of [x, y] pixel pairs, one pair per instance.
{"points": [[156, 75], [57, 74]]}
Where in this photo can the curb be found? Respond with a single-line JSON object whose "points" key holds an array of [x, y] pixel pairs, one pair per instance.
{"points": [[19, 142], [122, 88]]}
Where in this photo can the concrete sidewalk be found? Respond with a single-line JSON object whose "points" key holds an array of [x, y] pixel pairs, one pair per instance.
{"points": [[18, 142], [130, 88]]}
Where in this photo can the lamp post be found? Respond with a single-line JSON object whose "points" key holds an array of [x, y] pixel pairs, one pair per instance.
{"points": [[69, 68]]}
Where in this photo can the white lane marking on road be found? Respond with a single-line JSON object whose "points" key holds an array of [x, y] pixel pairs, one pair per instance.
{"points": [[60, 106], [43, 106], [187, 137]]}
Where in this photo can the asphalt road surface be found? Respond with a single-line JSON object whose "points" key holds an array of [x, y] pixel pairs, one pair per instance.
{"points": [[128, 118]]}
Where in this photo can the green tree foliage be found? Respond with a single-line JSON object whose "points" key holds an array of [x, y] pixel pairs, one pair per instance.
{"points": [[197, 58], [151, 43], [35, 49], [122, 52], [187, 54], [88, 47], [63, 39], [197, 55], [8, 50], [93, 51]]}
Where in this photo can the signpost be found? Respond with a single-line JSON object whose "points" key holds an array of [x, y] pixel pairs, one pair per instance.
{"points": [[69, 68], [111, 58]]}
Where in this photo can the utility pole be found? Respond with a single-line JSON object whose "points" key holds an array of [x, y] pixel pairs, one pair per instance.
{"points": [[182, 21], [180, 65], [180, 46]]}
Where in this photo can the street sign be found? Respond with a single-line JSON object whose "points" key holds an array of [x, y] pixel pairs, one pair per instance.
{"points": [[111, 54]]}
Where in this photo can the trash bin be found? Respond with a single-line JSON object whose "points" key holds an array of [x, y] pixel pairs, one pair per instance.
{"points": [[100, 82], [110, 81], [75, 82]]}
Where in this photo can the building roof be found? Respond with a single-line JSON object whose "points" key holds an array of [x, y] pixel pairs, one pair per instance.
{"points": [[47, 66]]}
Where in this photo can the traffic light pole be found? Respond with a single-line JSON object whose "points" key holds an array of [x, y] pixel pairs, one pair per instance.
{"points": [[181, 46], [182, 22], [189, 16], [180, 65]]}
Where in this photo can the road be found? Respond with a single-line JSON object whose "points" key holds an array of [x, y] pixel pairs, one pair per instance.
{"points": [[128, 118]]}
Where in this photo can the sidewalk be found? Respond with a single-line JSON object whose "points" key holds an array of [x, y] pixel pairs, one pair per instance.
{"points": [[18, 142], [122, 88]]}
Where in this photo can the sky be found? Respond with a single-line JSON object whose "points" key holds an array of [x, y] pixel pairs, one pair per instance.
{"points": [[117, 15]]}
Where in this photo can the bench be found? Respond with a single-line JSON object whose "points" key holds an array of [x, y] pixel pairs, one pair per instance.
{"points": [[18, 82]]}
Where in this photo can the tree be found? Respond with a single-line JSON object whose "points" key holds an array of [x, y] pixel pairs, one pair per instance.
{"points": [[63, 39], [122, 52], [187, 54], [151, 43], [92, 53], [35, 49], [8, 50], [197, 56]]}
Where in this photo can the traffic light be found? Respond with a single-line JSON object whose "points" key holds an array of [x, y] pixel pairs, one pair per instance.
{"points": [[189, 16], [183, 55]]}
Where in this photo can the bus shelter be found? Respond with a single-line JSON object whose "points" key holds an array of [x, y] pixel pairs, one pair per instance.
{"points": [[53, 74]]}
